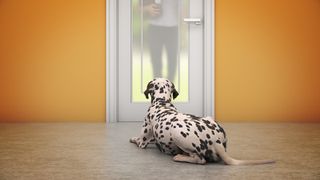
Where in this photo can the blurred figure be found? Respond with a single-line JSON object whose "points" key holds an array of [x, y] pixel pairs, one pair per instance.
{"points": [[163, 33]]}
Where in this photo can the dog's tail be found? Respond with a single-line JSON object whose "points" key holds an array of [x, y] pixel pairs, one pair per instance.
{"points": [[231, 161]]}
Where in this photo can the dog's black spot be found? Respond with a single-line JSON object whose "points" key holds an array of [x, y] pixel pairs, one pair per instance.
{"points": [[218, 141], [194, 145], [199, 127], [198, 148], [202, 147], [213, 132], [167, 128], [180, 126], [145, 130], [144, 139], [196, 133], [183, 134], [208, 124], [208, 136], [161, 90], [174, 119], [209, 155], [210, 142], [222, 130], [160, 131], [225, 145], [206, 121], [156, 126], [203, 144]]}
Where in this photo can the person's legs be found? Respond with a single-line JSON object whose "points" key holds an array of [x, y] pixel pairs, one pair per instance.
{"points": [[171, 44], [155, 41]]}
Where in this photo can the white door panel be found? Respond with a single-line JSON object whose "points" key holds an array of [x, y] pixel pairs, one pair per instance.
{"points": [[168, 44]]}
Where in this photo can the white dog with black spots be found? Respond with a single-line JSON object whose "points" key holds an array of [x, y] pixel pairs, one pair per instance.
{"points": [[189, 138]]}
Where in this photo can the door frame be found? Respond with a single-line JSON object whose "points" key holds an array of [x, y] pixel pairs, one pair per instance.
{"points": [[112, 108]]}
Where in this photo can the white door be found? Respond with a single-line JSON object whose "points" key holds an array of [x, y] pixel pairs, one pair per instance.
{"points": [[159, 38]]}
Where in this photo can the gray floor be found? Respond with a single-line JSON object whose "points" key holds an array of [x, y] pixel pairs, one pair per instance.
{"points": [[94, 151]]}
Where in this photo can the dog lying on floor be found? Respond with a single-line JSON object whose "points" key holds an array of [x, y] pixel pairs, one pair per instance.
{"points": [[189, 138]]}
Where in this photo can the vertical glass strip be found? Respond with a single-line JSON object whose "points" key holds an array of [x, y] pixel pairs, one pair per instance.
{"points": [[179, 45], [137, 52], [158, 50], [142, 45], [183, 59]]}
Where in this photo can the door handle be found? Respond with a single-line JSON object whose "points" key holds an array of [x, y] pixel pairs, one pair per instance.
{"points": [[196, 21]]}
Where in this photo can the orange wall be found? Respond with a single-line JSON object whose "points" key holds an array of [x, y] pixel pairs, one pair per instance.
{"points": [[268, 60], [52, 60]]}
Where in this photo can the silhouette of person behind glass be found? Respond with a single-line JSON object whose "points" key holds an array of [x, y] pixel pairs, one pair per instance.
{"points": [[163, 33]]}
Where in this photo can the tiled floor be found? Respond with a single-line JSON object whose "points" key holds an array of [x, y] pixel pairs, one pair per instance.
{"points": [[102, 151]]}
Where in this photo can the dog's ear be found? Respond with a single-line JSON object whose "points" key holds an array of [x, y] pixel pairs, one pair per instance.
{"points": [[148, 90], [174, 92], [146, 93]]}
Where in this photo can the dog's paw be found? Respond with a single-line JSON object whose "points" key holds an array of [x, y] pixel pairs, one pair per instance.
{"points": [[178, 157], [138, 142], [134, 140]]}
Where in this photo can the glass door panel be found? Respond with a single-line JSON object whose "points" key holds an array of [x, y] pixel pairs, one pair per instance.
{"points": [[160, 45]]}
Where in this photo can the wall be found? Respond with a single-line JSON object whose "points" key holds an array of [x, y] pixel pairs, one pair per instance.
{"points": [[52, 60], [268, 60]]}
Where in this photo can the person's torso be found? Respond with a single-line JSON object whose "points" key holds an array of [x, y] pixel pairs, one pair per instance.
{"points": [[169, 14]]}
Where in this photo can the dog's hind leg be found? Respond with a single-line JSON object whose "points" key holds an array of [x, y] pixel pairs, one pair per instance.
{"points": [[191, 158], [188, 151]]}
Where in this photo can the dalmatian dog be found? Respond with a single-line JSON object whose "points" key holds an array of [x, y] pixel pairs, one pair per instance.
{"points": [[187, 137]]}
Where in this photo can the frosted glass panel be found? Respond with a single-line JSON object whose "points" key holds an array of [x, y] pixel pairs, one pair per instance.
{"points": [[160, 45]]}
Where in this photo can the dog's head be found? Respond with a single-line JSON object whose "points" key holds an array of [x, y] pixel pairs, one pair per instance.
{"points": [[160, 89]]}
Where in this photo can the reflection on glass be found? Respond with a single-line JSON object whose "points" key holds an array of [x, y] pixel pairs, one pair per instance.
{"points": [[159, 45]]}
